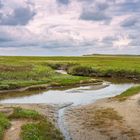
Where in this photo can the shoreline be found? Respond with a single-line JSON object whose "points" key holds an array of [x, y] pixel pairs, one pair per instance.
{"points": [[47, 87]]}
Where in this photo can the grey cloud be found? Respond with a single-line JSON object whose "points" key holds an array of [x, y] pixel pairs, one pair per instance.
{"points": [[96, 12], [54, 44], [20, 16], [130, 6], [135, 42], [8, 42], [1, 5], [4, 37], [129, 22], [126, 7], [63, 1], [86, 1], [16, 37], [94, 16], [109, 39], [113, 7], [102, 6]]}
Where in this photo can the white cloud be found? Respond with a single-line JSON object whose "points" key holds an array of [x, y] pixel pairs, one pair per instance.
{"points": [[80, 26]]}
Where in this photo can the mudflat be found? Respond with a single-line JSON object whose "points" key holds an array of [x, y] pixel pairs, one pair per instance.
{"points": [[105, 119]]}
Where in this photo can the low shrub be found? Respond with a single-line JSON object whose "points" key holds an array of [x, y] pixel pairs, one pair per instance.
{"points": [[82, 71], [61, 66]]}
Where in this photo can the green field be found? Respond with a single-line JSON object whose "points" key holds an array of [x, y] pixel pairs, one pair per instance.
{"points": [[17, 72]]}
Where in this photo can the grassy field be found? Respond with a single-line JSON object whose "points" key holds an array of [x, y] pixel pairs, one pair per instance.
{"points": [[17, 72]]}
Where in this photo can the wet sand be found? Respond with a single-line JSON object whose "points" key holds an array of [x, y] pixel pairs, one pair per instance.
{"points": [[82, 126]]}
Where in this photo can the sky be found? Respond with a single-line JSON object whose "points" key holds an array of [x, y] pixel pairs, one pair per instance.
{"points": [[69, 27]]}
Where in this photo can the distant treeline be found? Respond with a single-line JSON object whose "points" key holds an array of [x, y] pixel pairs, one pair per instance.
{"points": [[111, 55]]}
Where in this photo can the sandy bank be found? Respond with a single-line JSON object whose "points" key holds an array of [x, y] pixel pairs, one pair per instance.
{"points": [[106, 120]]}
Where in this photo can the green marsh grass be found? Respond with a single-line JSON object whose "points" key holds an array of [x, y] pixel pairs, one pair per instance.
{"points": [[18, 71], [43, 130], [128, 93], [4, 124], [20, 113], [40, 127]]}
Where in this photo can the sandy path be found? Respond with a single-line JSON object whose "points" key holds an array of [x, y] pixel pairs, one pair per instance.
{"points": [[13, 133], [80, 121]]}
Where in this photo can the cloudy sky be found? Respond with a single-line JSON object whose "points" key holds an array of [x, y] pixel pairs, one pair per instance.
{"points": [[69, 27]]}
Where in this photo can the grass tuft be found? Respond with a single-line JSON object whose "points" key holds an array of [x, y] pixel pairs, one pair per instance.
{"points": [[43, 130], [128, 93], [20, 113], [4, 124]]}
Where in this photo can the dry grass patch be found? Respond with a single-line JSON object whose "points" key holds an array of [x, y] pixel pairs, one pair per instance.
{"points": [[5, 68], [105, 117]]}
